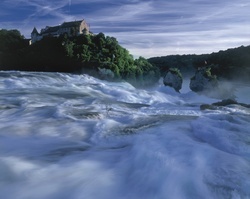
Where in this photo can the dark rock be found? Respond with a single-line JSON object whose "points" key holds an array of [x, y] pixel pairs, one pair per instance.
{"points": [[203, 80], [173, 79], [207, 107], [222, 103], [225, 102]]}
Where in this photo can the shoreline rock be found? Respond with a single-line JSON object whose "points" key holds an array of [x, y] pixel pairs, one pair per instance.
{"points": [[173, 79], [203, 80], [223, 103]]}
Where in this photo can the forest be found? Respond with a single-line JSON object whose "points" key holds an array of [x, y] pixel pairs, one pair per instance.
{"points": [[231, 64], [92, 53], [79, 54]]}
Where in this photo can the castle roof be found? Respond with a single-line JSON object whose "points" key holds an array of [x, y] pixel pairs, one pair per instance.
{"points": [[71, 24], [34, 31], [51, 29], [64, 28]]}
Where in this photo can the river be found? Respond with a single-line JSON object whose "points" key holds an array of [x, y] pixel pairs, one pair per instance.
{"points": [[66, 136]]}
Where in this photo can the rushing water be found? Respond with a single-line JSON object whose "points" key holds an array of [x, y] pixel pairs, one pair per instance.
{"points": [[76, 137]]}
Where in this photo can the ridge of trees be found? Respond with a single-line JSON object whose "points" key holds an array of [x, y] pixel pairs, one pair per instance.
{"points": [[228, 64], [90, 53], [79, 54]]}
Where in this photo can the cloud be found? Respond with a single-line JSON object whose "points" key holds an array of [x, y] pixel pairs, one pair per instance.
{"points": [[145, 27], [188, 27], [41, 13], [43, 8]]}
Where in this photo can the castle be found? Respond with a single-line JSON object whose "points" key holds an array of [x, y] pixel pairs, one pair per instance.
{"points": [[70, 29]]}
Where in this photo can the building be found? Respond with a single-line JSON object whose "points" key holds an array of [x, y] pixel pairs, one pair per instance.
{"points": [[70, 29]]}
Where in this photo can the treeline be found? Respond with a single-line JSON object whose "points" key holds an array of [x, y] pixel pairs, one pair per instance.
{"points": [[93, 53], [228, 64], [80, 54]]}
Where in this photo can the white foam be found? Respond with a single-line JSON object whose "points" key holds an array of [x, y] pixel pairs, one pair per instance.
{"points": [[74, 136]]}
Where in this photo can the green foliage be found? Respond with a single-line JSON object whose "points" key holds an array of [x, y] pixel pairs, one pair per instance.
{"points": [[11, 40], [229, 64], [12, 44], [69, 46], [176, 71], [208, 73], [205, 72], [84, 53], [91, 52], [185, 63]]}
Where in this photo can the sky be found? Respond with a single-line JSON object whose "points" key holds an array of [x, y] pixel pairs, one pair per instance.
{"points": [[147, 28]]}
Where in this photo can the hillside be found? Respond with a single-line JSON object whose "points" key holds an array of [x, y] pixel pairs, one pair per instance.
{"points": [[100, 54], [230, 64], [93, 54]]}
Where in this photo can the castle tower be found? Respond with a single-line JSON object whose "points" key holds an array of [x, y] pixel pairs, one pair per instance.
{"points": [[34, 35]]}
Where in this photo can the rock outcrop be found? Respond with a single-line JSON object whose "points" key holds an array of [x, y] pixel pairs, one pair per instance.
{"points": [[222, 103], [106, 74], [173, 79], [203, 80]]}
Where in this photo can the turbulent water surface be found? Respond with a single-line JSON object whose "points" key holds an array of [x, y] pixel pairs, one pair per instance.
{"points": [[76, 137]]}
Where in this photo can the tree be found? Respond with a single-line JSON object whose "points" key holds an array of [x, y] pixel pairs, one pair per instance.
{"points": [[11, 40], [84, 53]]}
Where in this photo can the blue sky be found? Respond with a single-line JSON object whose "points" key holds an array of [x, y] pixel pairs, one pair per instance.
{"points": [[146, 28]]}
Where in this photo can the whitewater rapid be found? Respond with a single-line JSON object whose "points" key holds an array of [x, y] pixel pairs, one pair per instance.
{"points": [[68, 136]]}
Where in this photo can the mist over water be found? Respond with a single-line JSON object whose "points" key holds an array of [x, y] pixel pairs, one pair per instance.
{"points": [[73, 136]]}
